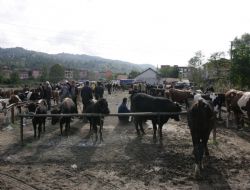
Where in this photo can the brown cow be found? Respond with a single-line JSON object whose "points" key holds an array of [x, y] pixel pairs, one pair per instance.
{"points": [[180, 96], [239, 103]]}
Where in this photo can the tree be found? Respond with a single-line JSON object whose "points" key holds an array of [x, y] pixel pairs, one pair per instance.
{"points": [[196, 72], [197, 60], [171, 72], [240, 69], [14, 78], [133, 74], [44, 74], [56, 73]]}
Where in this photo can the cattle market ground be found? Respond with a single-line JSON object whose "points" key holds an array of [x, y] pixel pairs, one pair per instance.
{"points": [[123, 160]]}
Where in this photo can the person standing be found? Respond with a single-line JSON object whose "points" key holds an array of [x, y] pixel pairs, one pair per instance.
{"points": [[99, 91], [109, 86], [74, 93], [48, 94], [64, 93], [87, 95]]}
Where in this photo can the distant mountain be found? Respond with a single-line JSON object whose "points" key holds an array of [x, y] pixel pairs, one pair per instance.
{"points": [[22, 58]]}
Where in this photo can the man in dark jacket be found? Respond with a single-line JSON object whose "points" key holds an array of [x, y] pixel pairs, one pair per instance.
{"points": [[87, 95], [123, 109], [99, 90]]}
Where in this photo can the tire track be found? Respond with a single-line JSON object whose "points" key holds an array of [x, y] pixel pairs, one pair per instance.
{"points": [[16, 183]]}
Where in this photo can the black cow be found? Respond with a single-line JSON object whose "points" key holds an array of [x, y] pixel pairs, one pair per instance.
{"points": [[201, 120], [141, 102], [40, 108], [101, 106], [67, 107]]}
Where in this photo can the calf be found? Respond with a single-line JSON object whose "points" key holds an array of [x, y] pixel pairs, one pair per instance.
{"points": [[141, 102], [67, 107], [40, 108], [101, 106], [200, 121]]}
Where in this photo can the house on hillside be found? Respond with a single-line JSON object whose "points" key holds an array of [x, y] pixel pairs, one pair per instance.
{"points": [[6, 72], [36, 73], [68, 74], [149, 76], [23, 74], [83, 74], [107, 75], [121, 77]]}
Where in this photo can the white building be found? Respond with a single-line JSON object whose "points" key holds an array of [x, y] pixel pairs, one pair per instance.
{"points": [[149, 76]]}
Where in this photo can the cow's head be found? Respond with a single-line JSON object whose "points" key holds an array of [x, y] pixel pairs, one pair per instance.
{"points": [[55, 119], [103, 106], [14, 99]]}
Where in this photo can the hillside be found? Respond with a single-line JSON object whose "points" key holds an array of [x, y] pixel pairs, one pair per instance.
{"points": [[22, 58]]}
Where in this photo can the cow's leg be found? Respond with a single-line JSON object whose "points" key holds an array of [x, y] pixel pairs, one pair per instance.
{"points": [[61, 128], [204, 141], [237, 120], [197, 152], [228, 117], [95, 131], [39, 129], [44, 121], [160, 130], [136, 126], [187, 104], [34, 127], [100, 130], [155, 128], [141, 127]]}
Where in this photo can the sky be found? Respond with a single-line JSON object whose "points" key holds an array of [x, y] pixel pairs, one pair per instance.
{"points": [[157, 32]]}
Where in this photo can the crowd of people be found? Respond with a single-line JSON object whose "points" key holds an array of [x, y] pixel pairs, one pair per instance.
{"points": [[87, 93]]}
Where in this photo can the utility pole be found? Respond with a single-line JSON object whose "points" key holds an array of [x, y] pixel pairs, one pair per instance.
{"points": [[231, 49]]}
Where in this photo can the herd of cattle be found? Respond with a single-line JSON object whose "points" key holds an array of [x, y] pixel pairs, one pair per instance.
{"points": [[201, 115]]}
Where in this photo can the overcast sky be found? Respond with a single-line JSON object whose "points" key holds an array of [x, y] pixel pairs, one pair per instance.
{"points": [[156, 32]]}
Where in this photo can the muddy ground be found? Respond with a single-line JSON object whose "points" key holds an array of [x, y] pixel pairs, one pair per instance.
{"points": [[123, 160]]}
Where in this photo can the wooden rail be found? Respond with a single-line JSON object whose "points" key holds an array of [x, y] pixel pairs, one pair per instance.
{"points": [[95, 115]]}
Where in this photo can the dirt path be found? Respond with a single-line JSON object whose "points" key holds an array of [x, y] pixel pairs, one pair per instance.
{"points": [[123, 160]]}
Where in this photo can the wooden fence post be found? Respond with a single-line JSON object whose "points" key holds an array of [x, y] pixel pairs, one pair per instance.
{"points": [[21, 129], [13, 114]]}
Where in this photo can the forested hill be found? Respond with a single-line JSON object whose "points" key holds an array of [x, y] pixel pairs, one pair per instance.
{"points": [[22, 58]]}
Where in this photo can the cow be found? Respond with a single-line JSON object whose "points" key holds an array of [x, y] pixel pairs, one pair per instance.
{"points": [[239, 103], [101, 106], [67, 107], [40, 108], [201, 121], [218, 100], [180, 96], [141, 102], [14, 99], [56, 96]]}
